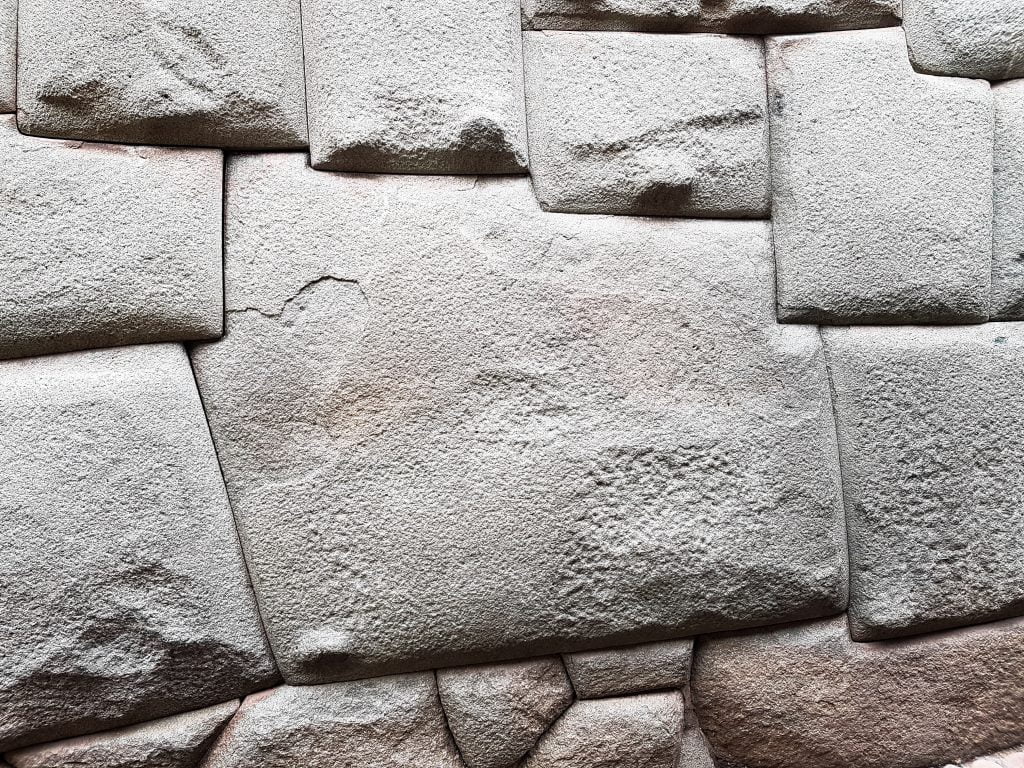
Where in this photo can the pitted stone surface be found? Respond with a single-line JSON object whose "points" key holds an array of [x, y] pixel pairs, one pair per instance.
{"points": [[496, 712], [457, 429], [932, 440], [8, 53], [648, 124], [882, 183], [179, 741], [1008, 216], [122, 586], [152, 72], [806, 696], [415, 86], [966, 38], [106, 244], [633, 669]]}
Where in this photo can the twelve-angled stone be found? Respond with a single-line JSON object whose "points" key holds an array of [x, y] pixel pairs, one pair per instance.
{"points": [[1008, 216]]}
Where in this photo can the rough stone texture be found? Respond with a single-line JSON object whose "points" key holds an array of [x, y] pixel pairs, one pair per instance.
{"points": [[806, 696], [106, 244], [456, 429], [932, 440], [648, 124], [634, 732], [8, 53], [156, 72], [1008, 221], [415, 86], [179, 741], [882, 183], [694, 751], [122, 586], [966, 38], [497, 712], [634, 669], [391, 722]]}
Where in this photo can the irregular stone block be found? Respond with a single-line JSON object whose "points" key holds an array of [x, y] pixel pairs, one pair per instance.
{"points": [[106, 244], [390, 722], [493, 432], [8, 53], [806, 696], [966, 38], [1008, 217], [648, 124], [415, 86], [497, 712], [932, 440], [122, 586], [189, 72], [882, 184], [634, 669], [179, 741]]}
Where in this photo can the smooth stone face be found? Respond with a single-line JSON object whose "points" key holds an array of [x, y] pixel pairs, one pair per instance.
{"points": [[390, 722], [882, 184], [648, 124], [456, 429], [633, 669], [806, 696], [497, 712], [8, 53], [932, 442], [106, 244], [122, 587], [1011, 758], [966, 38], [1008, 222], [179, 741], [415, 86], [185, 72]]}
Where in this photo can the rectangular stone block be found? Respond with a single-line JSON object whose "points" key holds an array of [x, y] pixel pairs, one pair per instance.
{"points": [[1008, 216], [8, 53]]}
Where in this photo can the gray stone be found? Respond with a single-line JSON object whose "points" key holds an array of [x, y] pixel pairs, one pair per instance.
{"points": [[184, 72], [105, 244], [694, 751], [669, 125], [179, 741], [8, 53], [882, 183], [932, 442], [497, 712], [122, 586], [456, 429], [1011, 758], [806, 696], [390, 722], [1008, 218], [415, 87], [966, 38], [634, 669]]}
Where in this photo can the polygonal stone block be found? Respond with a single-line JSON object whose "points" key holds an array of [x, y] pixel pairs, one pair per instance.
{"points": [[1008, 216], [8, 53]]}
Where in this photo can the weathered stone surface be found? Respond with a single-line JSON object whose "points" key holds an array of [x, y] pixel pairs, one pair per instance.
{"points": [[179, 741], [693, 750], [456, 429], [806, 696], [633, 669], [966, 38], [1008, 216], [497, 712], [932, 442], [415, 86], [882, 183], [8, 53], [1011, 758], [184, 72], [390, 722], [122, 588], [106, 244], [648, 124]]}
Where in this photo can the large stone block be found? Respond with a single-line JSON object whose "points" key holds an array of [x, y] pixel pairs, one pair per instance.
{"points": [[183, 72], [1008, 216], [806, 696], [931, 436], [8, 53], [122, 587], [669, 125], [415, 86], [106, 244], [882, 183], [457, 429]]}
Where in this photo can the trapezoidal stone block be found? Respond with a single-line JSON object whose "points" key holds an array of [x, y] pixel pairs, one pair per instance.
{"points": [[932, 443], [633, 669], [106, 244], [122, 587], [672, 125], [1008, 215], [457, 429], [415, 86], [8, 53], [882, 182], [187, 72]]}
